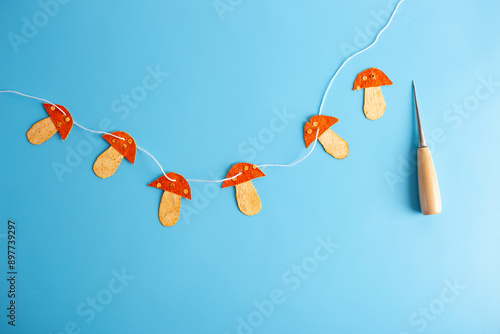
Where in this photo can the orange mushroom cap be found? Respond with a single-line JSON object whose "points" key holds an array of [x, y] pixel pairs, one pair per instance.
{"points": [[179, 187], [320, 122], [63, 123], [126, 146], [249, 172], [372, 77]]}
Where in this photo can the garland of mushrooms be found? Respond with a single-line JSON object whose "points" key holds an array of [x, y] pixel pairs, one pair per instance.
{"points": [[240, 176]]}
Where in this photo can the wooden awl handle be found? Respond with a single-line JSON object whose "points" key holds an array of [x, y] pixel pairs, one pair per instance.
{"points": [[428, 187]]}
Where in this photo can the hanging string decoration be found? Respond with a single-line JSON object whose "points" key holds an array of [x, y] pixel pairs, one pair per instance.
{"points": [[241, 175]]}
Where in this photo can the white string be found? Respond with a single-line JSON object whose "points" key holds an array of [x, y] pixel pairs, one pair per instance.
{"points": [[330, 85], [265, 165], [260, 166], [152, 157], [229, 178], [296, 162], [32, 97], [357, 53], [96, 131]]}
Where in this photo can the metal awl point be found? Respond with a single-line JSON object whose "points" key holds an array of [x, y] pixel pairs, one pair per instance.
{"points": [[421, 136]]}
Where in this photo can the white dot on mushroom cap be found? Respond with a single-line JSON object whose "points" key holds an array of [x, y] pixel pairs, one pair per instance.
{"points": [[130, 141], [235, 178], [315, 124], [358, 87], [67, 119], [158, 185], [185, 191], [245, 168], [52, 108], [309, 131], [365, 77], [254, 166]]}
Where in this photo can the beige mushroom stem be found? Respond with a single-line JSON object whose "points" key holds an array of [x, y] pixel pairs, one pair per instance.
{"points": [[170, 208], [248, 199], [334, 144], [374, 106], [41, 131], [107, 163]]}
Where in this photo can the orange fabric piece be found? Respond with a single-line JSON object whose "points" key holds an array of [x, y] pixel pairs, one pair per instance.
{"points": [[372, 77], [63, 123], [249, 171], [127, 146], [179, 187], [324, 123]]}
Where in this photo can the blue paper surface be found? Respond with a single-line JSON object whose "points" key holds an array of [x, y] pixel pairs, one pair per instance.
{"points": [[339, 246]]}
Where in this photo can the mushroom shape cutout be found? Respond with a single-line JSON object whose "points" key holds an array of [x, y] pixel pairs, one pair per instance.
{"points": [[371, 80], [332, 142], [170, 205], [246, 194], [109, 161], [58, 120]]}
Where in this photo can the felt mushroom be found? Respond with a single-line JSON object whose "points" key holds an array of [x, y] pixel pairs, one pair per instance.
{"points": [[332, 142], [122, 145], [58, 120], [170, 205], [371, 80], [240, 176]]}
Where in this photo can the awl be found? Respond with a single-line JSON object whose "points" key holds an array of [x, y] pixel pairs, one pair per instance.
{"points": [[428, 187]]}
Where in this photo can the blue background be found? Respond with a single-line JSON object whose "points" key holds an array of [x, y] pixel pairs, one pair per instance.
{"points": [[229, 76]]}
